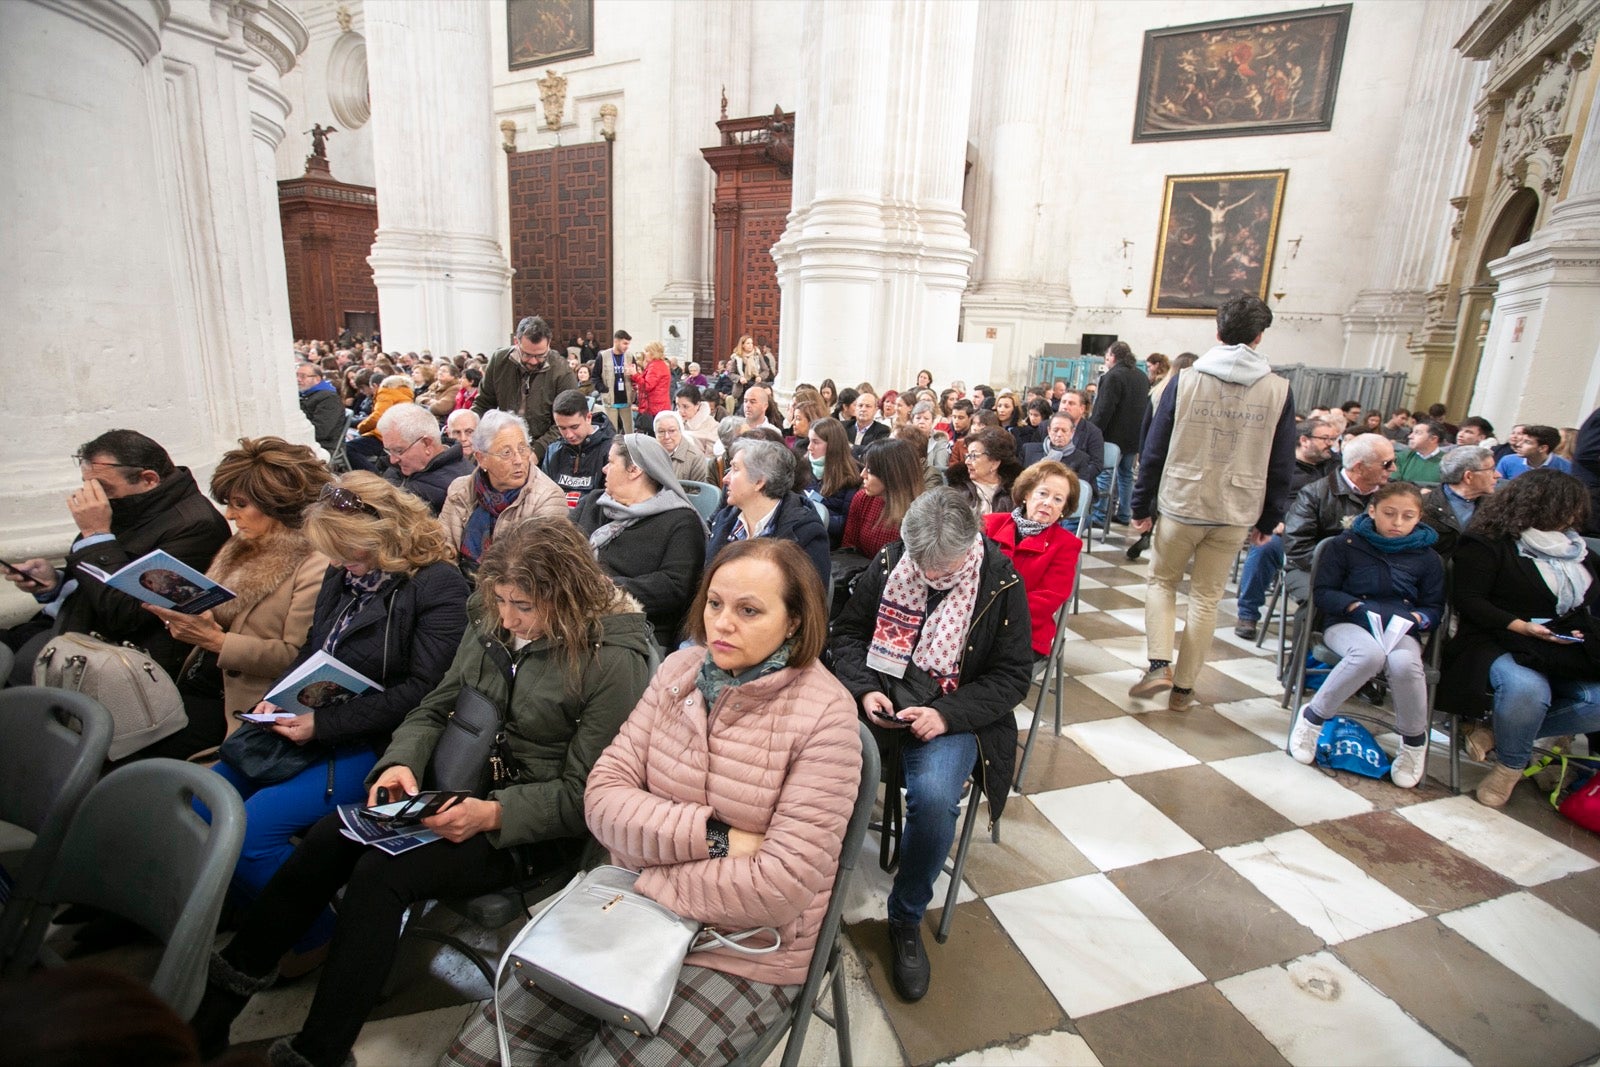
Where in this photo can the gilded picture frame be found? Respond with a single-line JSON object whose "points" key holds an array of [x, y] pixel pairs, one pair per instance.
{"points": [[1218, 233], [547, 31], [1242, 77]]}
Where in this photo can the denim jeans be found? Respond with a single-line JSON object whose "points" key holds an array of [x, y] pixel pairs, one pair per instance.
{"points": [[1528, 706], [934, 772], [1120, 466], [1261, 565]]}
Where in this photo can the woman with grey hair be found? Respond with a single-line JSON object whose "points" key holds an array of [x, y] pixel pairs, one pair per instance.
{"points": [[646, 534], [934, 645], [1466, 473], [507, 488], [687, 462], [762, 503], [923, 417]]}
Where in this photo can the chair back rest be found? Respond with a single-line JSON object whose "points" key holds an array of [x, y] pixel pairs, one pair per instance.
{"points": [[139, 849], [7, 661], [52, 743], [704, 496]]}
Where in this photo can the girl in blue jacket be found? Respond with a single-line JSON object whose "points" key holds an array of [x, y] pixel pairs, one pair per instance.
{"points": [[1383, 564]]}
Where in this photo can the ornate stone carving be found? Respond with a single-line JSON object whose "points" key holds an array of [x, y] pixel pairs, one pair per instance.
{"points": [[1536, 113], [508, 135], [343, 16], [553, 92], [1459, 205], [1475, 138], [608, 121], [1556, 148], [1435, 307]]}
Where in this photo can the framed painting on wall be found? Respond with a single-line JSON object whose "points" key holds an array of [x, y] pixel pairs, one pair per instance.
{"points": [[545, 31], [1238, 77], [1217, 236]]}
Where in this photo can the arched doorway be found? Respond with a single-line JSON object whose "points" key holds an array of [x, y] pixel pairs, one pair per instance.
{"points": [[1512, 227]]}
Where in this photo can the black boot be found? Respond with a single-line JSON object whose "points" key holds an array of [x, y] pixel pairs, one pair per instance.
{"points": [[911, 969], [1139, 546], [228, 990]]}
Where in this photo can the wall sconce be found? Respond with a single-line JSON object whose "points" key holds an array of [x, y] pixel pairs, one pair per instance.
{"points": [[1283, 266], [1127, 268]]}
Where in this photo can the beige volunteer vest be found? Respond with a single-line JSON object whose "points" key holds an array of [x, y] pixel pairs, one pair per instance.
{"points": [[1216, 469]]}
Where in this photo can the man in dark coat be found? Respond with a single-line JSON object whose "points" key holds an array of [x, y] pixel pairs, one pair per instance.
{"points": [[1119, 413], [526, 379], [320, 403], [576, 461], [132, 502], [1327, 506], [1586, 467], [419, 462]]}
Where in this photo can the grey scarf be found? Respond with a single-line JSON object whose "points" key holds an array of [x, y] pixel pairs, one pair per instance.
{"points": [[1559, 555]]}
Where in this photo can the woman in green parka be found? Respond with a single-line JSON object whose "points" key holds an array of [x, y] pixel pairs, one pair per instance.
{"points": [[566, 655]]}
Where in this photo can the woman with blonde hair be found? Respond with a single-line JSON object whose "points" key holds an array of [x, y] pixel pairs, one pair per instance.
{"points": [[392, 607], [564, 655], [241, 645], [652, 384]]}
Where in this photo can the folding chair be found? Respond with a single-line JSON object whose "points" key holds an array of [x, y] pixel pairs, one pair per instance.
{"points": [[825, 958], [1049, 682], [52, 745], [139, 849]]}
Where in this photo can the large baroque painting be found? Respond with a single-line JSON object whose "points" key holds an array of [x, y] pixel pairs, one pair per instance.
{"points": [[544, 31], [1237, 77], [1218, 232]]}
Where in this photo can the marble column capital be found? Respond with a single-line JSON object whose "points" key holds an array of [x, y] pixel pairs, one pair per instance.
{"points": [[135, 24], [273, 31]]}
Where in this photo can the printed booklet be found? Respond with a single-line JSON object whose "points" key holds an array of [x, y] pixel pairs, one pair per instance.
{"points": [[395, 827], [165, 581], [320, 682]]}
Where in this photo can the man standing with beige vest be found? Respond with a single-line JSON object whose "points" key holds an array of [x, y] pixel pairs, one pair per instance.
{"points": [[1217, 461]]}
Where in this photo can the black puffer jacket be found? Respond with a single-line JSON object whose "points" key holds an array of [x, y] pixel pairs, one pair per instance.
{"points": [[173, 517], [657, 560], [403, 639], [581, 469], [432, 482], [796, 520], [996, 667]]}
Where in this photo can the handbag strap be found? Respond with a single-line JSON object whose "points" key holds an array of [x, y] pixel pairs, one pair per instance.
{"points": [[709, 938], [511, 949], [1591, 761]]}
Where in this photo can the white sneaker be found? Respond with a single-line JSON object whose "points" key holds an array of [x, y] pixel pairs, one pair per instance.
{"points": [[1409, 765], [1303, 738]]}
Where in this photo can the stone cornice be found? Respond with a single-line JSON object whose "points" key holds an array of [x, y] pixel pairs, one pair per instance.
{"points": [[274, 31], [134, 24]]}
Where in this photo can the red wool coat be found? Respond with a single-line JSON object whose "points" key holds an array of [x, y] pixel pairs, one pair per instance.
{"points": [[1046, 563]]}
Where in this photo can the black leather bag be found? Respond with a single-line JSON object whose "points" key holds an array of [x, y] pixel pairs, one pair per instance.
{"points": [[267, 757], [471, 754]]}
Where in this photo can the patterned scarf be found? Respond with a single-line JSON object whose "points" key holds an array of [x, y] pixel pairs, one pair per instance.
{"points": [[489, 503], [362, 589], [906, 634], [713, 679], [1026, 527]]}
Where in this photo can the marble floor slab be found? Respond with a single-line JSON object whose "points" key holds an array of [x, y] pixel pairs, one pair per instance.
{"points": [[1112, 826], [1208, 807], [1500, 843], [1318, 887], [1316, 1010], [1092, 948], [1416, 865], [1127, 747], [1261, 716], [1299, 793], [1061, 1048], [1204, 734], [1546, 946], [1193, 1027]]}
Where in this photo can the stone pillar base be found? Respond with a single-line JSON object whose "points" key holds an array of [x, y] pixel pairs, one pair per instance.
{"points": [[437, 291]]}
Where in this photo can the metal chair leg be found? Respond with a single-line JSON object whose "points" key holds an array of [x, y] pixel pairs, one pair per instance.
{"points": [[943, 933], [841, 1016]]}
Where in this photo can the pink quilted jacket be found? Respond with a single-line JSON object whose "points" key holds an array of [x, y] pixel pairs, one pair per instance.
{"points": [[781, 757]]}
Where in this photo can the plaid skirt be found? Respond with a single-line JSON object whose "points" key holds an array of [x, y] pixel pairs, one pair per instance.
{"points": [[712, 1016]]}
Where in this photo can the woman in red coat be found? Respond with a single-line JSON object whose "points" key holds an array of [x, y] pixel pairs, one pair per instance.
{"points": [[1044, 552], [652, 384]]}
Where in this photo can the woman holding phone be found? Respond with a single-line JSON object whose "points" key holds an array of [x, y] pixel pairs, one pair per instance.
{"points": [[580, 650]]}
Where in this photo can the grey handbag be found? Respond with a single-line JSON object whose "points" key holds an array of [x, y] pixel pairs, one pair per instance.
{"points": [[610, 951]]}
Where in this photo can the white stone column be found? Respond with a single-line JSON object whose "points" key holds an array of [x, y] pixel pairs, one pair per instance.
{"points": [[701, 31], [1414, 243], [876, 254], [1545, 310], [443, 281], [1017, 210]]}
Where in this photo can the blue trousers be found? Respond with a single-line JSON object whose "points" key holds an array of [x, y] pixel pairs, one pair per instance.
{"points": [[1119, 466], [283, 810], [1528, 706], [1261, 564], [934, 772]]}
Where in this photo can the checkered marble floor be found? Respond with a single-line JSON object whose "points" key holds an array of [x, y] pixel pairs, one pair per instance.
{"points": [[1171, 888]]}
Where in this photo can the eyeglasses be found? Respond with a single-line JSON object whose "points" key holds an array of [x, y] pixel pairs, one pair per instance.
{"points": [[977, 455], [341, 499], [396, 453], [81, 460], [506, 455], [1324, 440], [1389, 464]]}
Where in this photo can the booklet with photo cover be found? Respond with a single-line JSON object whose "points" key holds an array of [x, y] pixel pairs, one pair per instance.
{"points": [[165, 581], [396, 827], [320, 682]]}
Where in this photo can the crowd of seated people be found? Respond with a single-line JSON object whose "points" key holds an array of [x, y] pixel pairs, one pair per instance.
{"points": [[488, 516]]}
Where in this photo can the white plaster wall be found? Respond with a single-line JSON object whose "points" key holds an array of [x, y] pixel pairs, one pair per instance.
{"points": [[349, 150], [1335, 187]]}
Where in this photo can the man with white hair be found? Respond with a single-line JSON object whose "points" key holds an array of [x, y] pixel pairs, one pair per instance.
{"points": [[459, 426], [1326, 507], [419, 462]]}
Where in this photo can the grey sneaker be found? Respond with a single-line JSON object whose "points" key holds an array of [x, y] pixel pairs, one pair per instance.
{"points": [[1303, 738], [1152, 684]]}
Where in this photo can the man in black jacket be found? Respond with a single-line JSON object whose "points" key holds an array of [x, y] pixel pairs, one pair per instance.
{"points": [[1074, 441], [526, 379], [864, 428], [419, 462], [1119, 413], [1326, 507], [577, 462], [320, 403], [133, 501]]}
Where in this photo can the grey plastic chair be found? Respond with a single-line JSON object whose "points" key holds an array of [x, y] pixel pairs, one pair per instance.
{"points": [[704, 496], [138, 849], [7, 660], [825, 960], [52, 745]]}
